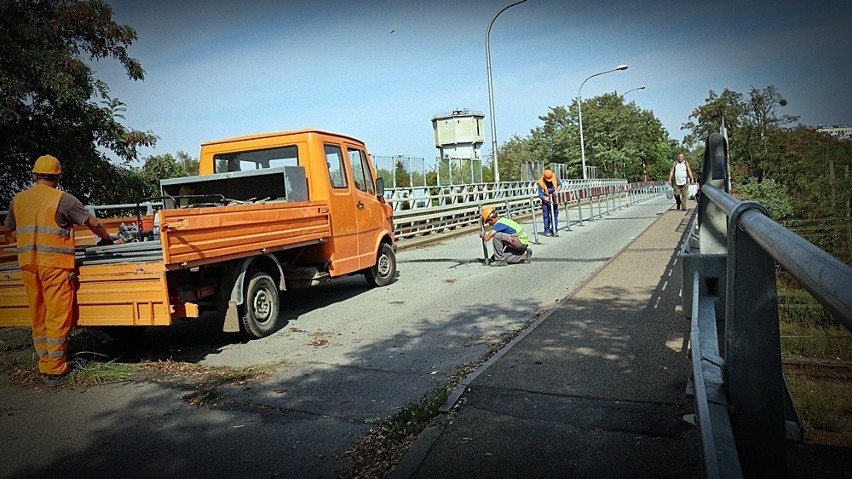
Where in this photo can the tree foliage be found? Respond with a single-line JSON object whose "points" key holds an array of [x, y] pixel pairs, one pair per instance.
{"points": [[620, 139], [754, 124], [159, 167], [50, 101]]}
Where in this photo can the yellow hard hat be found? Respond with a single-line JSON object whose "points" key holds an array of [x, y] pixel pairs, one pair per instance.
{"points": [[548, 175], [487, 212], [47, 165]]}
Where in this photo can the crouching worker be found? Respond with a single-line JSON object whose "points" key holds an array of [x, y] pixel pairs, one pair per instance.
{"points": [[508, 239], [42, 220]]}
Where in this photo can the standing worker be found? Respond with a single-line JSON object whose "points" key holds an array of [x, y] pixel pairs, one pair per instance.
{"points": [[42, 220], [681, 172], [508, 239], [548, 184]]}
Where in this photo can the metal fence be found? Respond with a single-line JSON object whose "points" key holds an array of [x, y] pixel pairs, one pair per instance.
{"points": [[742, 404], [437, 210]]}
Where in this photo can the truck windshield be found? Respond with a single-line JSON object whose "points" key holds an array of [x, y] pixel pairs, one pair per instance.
{"points": [[257, 159]]}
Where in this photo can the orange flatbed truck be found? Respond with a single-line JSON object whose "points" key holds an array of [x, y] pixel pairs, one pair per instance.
{"points": [[265, 212]]}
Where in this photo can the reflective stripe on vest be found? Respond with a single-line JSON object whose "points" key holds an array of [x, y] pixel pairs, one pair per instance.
{"points": [[519, 232], [41, 241]]}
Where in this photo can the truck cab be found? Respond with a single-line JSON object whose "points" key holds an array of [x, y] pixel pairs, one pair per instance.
{"points": [[338, 171]]}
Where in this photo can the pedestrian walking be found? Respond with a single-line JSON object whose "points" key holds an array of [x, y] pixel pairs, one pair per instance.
{"points": [[42, 220], [547, 186], [507, 237], [682, 175]]}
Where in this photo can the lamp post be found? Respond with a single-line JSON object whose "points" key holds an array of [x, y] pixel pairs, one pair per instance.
{"points": [[580, 112], [632, 89], [491, 90]]}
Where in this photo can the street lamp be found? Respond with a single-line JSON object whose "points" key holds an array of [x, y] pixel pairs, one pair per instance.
{"points": [[632, 89], [491, 90], [580, 112]]}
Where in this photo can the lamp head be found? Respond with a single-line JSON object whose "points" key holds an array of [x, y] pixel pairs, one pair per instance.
{"points": [[621, 67]]}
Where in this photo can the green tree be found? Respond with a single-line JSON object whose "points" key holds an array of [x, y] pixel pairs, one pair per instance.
{"points": [[774, 196], [403, 180], [557, 140], [511, 154], [620, 139], [159, 167], [50, 101], [753, 122]]}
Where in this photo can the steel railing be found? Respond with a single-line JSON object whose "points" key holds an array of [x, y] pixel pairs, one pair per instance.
{"points": [[729, 263], [440, 210]]}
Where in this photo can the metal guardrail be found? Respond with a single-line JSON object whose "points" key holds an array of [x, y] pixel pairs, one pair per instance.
{"points": [[439, 210], [728, 264]]}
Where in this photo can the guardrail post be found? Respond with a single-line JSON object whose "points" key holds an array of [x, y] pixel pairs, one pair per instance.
{"points": [[753, 353], [609, 196], [534, 221], [591, 205], [580, 206], [567, 212], [711, 218]]}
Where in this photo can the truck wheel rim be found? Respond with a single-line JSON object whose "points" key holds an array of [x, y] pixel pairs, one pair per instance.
{"points": [[384, 265], [262, 306]]}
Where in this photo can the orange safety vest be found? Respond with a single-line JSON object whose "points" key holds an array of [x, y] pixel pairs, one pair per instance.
{"points": [[42, 242]]}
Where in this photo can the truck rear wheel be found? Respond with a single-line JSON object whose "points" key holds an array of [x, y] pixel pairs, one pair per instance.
{"points": [[383, 272], [261, 306]]}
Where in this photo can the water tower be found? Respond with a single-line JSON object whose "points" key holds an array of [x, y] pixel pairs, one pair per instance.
{"points": [[460, 134]]}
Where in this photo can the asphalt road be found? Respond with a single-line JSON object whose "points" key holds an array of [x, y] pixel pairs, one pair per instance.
{"points": [[347, 356]]}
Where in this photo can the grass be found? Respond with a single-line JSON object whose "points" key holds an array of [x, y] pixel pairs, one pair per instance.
{"points": [[825, 406], [20, 363], [90, 372], [381, 449], [817, 351]]}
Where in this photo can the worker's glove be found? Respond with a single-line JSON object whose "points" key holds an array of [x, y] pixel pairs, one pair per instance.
{"points": [[105, 242]]}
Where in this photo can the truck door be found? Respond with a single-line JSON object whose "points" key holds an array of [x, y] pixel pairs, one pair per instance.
{"points": [[344, 218], [368, 211]]}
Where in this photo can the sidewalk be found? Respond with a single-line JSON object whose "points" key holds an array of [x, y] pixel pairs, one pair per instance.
{"points": [[594, 389]]}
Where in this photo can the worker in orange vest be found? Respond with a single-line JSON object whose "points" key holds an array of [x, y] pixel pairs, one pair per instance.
{"points": [[42, 220], [547, 187]]}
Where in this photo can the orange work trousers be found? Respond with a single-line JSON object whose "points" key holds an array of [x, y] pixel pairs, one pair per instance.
{"points": [[50, 292]]}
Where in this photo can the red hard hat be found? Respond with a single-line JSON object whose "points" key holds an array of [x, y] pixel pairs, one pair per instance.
{"points": [[548, 175]]}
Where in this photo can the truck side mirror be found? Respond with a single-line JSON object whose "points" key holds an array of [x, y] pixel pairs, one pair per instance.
{"points": [[380, 186]]}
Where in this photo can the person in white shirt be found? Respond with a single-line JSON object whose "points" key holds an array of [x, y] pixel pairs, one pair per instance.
{"points": [[682, 175]]}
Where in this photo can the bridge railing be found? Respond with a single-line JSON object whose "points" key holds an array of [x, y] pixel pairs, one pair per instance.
{"points": [[439, 210], [729, 275]]}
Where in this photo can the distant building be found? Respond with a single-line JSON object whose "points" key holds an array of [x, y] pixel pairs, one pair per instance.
{"points": [[459, 134], [837, 131]]}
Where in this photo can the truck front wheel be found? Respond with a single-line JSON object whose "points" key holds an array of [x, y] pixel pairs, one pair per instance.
{"points": [[383, 272], [261, 306]]}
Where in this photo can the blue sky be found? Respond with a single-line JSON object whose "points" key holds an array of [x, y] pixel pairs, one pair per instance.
{"points": [[380, 70]]}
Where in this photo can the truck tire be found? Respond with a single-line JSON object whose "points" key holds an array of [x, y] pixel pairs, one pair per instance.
{"points": [[383, 272], [261, 306]]}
